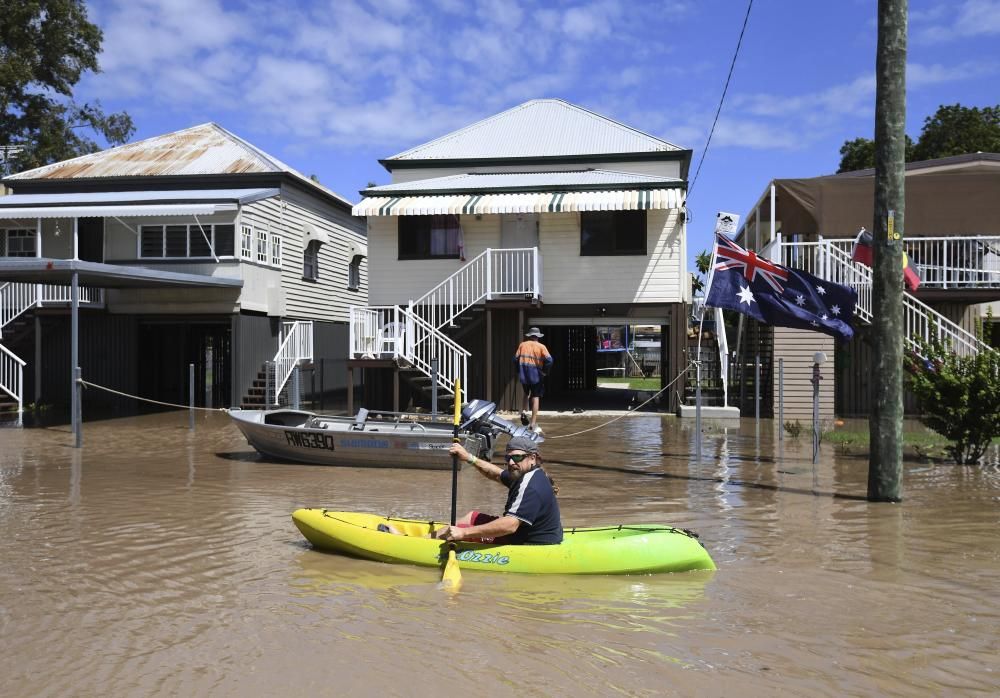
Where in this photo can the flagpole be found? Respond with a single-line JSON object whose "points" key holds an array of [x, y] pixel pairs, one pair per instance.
{"points": [[697, 371]]}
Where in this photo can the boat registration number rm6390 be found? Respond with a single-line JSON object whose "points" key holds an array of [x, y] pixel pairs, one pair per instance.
{"points": [[304, 440]]}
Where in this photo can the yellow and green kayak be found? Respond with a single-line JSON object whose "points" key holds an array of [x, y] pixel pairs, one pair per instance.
{"points": [[622, 549]]}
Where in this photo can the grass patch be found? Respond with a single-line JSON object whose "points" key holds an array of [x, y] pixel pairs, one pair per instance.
{"points": [[925, 444], [633, 383]]}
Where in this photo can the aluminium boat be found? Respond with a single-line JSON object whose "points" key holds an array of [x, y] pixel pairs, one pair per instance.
{"points": [[372, 438]]}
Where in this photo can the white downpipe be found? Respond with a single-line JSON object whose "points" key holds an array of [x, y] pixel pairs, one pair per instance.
{"points": [[76, 238], [489, 277]]}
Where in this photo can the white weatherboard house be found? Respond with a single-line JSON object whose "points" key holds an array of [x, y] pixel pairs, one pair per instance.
{"points": [[190, 247], [951, 234], [547, 215]]}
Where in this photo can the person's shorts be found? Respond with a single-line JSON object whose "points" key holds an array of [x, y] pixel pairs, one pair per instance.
{"points": [[534, 389], [478, 519]]}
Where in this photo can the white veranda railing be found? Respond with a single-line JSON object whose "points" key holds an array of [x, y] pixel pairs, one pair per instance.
{"points": [[831, 260]]}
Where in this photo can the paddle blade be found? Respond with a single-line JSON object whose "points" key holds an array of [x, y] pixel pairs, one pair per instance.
{"points": [[452, 577]]}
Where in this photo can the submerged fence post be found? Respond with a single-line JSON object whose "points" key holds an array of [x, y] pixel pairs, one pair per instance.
{"points": [[296, 387], [269, 396], [697, 406], [434, 387], [781, 399], [191, 397], [756, 389]]}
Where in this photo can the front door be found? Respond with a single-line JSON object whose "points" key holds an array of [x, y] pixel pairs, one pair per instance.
{"points": [[519, 230], [91, 239]]}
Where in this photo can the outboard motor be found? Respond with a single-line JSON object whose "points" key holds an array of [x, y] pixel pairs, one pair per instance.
{"points": [[480, 416]]}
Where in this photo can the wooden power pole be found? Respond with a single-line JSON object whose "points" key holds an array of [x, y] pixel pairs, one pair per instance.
{"points": [[885, 464]]}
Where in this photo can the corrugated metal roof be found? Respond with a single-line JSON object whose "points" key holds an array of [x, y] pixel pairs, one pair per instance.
{"points": [[137, 197], [539, 128], [535, 202], [27, 213], [206, 149], [526, 181]]}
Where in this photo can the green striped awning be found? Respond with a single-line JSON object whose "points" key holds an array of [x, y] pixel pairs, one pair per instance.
{"points": [[533, 202]]}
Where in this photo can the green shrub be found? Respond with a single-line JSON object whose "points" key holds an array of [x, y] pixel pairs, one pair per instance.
{"points": [[793, 428], [959, 396]]}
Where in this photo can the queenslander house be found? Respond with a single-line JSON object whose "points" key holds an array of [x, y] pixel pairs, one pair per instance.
{"points": [[193, 247], [951, 236], [546, 215]]}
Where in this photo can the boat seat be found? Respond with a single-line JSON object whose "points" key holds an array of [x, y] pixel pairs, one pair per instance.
{"points": [[360, 419]]}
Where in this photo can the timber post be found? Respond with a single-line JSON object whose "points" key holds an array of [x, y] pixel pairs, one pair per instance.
{"points": [[885, 464]]}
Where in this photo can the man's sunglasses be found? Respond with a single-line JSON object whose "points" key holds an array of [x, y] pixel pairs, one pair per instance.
{"points": [[516, 457]]}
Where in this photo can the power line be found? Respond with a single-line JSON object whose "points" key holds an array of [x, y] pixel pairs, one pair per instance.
{"points": [[721, 99]]}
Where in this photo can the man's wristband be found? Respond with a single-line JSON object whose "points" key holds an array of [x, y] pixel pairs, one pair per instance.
{"points": [[471, 460]]}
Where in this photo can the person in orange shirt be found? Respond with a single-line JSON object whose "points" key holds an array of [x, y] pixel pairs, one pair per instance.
{"points": [[533, 363]]}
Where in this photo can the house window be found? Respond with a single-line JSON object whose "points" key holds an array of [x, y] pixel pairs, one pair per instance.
{"points": [[262, 246], [354, 274], [429, 237], [185, 241], [310, 261], [275, 251], [246, 242], [18, 242], [606, 233]]}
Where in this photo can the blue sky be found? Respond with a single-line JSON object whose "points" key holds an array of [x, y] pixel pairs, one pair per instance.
{"points": [[330, 87]]}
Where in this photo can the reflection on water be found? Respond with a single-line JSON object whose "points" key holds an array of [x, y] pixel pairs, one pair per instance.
{"points": [[160, 561]]}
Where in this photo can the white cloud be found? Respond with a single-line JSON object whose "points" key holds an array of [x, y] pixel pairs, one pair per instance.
{"points": [[971, 18]]}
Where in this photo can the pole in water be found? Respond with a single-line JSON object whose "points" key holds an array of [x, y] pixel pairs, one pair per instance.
{"points": [[75, 359], [78, 416], [296, 388], [191, 397], [781, 399], [818, 358], [697, 407], [434, 387], [756, 389]]}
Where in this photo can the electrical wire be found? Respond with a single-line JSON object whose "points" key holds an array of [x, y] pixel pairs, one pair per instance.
{"points": [[722, 99]]}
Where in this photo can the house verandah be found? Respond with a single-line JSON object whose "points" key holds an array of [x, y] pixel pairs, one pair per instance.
{"points": [[952, 240], [527, 218], [189, 248]]}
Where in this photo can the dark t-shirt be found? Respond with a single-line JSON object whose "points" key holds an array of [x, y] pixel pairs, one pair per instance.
{"points": [[532, 500]]}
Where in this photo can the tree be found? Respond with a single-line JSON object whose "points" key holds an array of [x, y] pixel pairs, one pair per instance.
{"points": [[45, 48], [956, 130], [859, 154], [702, 262], [952, 130], [959, 396]]}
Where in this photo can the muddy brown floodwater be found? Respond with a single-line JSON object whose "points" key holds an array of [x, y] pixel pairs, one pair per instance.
{"points": [[157, 561]]}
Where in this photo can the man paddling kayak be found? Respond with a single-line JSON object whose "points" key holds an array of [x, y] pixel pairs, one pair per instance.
{"points": [[531, 514]]}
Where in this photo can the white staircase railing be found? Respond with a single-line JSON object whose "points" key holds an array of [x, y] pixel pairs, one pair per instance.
{"points": [[12, 377], [830, 260], [15, 299], [503, 272], [391, 332], [296, 347], [413, 333]]}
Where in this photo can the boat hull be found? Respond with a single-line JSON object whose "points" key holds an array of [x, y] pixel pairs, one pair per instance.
{"points": [[626, 549], [306, 438]]}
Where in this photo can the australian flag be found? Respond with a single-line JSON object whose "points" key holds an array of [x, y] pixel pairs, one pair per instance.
{"points": [[777, 295]]}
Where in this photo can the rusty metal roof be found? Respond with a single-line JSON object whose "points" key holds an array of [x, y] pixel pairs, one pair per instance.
{"points": [[206, 149]]}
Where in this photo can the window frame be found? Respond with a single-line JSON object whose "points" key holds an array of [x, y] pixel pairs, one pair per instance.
{"points": [[425, 225], [189, 230], [354, 273], [615, 249], [28, 234], [310, 260]]}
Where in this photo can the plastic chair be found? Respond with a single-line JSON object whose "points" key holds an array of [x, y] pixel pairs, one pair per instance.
{"points": [[391, 339]]}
